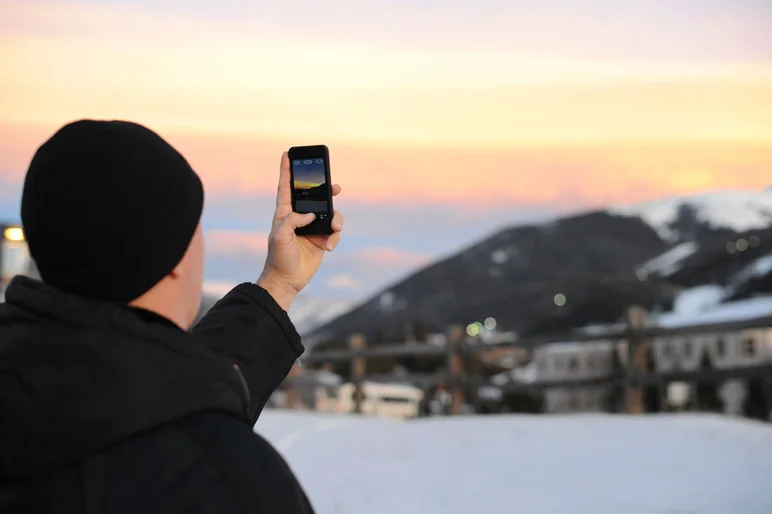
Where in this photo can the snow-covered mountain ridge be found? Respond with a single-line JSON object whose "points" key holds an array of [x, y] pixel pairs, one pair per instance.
{"points": [[306, 312], [738, 210]]}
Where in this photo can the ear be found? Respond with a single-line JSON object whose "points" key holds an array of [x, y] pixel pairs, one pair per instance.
{"points": [[177, 272]]}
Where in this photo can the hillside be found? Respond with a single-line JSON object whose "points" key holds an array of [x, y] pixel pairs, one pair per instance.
{"points": [[512, 276], [700, 267], [306, 313], [601, 261]]}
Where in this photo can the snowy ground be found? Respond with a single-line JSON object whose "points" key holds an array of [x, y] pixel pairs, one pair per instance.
{"points": [[584, 464]]}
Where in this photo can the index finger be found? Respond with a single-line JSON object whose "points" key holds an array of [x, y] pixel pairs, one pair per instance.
{"points": [[284, 193]]}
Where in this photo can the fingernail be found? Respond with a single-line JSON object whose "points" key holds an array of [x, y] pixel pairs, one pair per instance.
{"points": [[330, 246], [313, 215]]}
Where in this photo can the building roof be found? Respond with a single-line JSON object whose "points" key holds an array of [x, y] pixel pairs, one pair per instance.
{"points": [[741, 310]]}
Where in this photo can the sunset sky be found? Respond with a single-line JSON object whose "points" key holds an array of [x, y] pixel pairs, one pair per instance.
{"points": [[445, 120]]}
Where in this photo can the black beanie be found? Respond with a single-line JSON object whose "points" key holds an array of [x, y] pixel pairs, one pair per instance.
{"points": [[109, 209]]}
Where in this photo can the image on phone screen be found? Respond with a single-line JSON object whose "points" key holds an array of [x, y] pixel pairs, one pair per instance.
{"points": [[310, 187]]}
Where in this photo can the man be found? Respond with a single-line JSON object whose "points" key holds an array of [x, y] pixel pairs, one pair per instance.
{"points": [[108, 403]]}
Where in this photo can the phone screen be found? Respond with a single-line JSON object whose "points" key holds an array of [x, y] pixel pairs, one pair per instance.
{"points": [[310, 188]]}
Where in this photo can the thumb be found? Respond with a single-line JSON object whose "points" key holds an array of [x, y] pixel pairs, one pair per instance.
{"points": [[297, 220]]}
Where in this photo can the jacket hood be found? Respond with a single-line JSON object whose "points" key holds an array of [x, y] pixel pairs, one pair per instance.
{"points": [[78, 376]]}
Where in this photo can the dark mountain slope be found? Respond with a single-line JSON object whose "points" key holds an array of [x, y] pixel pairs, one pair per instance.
{"points": [[512, 276]]}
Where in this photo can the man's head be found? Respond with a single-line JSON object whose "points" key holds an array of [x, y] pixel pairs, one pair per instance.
{"points": [[112, 213]]}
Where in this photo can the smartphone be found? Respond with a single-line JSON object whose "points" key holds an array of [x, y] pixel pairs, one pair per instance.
{"points": [[311, 187]]}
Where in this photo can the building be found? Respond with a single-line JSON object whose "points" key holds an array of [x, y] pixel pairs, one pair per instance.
{"points": [[322, 390], [575, 361], [14, 256], [400, 401], [709, 350], [715, 350]]}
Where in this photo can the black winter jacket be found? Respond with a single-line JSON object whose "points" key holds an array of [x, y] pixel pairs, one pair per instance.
{"points": [[110, 409]]}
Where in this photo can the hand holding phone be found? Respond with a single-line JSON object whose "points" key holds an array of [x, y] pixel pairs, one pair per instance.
{"points": [[311, 187], [293, 260]]}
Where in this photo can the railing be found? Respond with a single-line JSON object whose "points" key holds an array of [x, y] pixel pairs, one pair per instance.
{"points": [[633, 376]]}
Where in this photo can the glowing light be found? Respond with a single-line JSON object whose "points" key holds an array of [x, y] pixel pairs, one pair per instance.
{"points": [[642, 275], [474, 329], [754, 241], [742, 245], [731, 247], [14, 234], [559, 299], [490, 323]]}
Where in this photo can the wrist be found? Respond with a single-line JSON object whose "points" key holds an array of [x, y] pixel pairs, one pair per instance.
{"points": [[282, 292]]}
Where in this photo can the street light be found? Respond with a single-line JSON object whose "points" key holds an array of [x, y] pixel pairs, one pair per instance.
{"points": [[14, 234]]}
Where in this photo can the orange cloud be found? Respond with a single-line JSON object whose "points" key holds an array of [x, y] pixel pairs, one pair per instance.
{"points": [[236, 242], [241, 78], [406, 124], [558, 175], [561, 175]]}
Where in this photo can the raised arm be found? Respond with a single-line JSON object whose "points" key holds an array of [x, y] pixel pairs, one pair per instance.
{"points": [[250, 325], [249, 328]]}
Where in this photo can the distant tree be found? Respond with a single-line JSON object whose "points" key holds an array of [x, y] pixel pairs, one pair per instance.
{"points": [[687, 225]]}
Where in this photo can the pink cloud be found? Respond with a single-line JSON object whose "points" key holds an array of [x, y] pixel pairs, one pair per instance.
{"points": [[344, 281], [390, 256], [18, 144], [236, 242]]}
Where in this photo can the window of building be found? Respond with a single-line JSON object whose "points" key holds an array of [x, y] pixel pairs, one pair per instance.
{"points": [[749, 347], [573, 364], [395, 399], [687, 348], [721, 347]]}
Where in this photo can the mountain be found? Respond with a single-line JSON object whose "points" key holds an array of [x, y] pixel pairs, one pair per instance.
{"points": [[207, 302], [735, 210], [513, 276], [599, 262], [319, 191], [306, 313]]}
